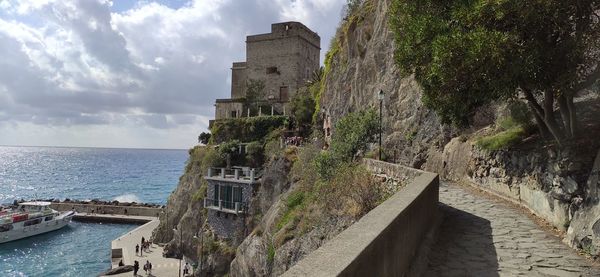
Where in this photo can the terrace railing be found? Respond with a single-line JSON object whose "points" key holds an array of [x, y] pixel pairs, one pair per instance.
{"points": [[236, 173], [225, 206]]}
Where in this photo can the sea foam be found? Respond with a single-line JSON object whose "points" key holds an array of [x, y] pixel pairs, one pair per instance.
{"points": [[128, 198]]}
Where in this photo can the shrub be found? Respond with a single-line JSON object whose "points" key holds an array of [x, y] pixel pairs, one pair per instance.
{"points": [[270, 253], [352, 134], [520, 113], [502, 140], [204, 138], [246, 129], [303, 108], [254, 153]]}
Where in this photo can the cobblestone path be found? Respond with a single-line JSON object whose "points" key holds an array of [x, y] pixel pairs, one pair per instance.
{"points": [[481, 236]]}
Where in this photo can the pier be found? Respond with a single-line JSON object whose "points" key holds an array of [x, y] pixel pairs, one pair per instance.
{"points": [[123, 248]]}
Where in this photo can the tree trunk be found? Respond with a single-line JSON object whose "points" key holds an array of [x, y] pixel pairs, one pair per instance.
{"points": [[549, 118], [565, 115], [538, 114], [572, 116], [544, 132]]}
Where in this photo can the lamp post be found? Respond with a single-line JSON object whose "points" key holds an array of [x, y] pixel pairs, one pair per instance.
{"points": [[380, 96], [181, 248]]}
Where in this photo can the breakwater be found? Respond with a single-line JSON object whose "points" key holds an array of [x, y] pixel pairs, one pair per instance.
{"points": [[107, 212]]}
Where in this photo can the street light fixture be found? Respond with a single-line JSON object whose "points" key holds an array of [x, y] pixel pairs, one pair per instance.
{"points": [[180, 246], [380, 96]]}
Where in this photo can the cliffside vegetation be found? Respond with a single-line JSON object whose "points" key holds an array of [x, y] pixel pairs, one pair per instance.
{"points": [[468, 54]]}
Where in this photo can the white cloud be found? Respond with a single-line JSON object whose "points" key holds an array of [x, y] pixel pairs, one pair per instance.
{"points": [[76, 68]]}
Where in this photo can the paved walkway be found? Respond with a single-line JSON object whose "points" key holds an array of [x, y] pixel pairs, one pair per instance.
{"points": [[161, 266], [481, 236]]}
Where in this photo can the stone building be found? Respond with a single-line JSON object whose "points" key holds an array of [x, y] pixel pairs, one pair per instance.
{"points": [[228, 199], [282, 60]]}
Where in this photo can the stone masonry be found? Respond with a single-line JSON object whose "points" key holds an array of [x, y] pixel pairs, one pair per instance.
{"points": [[283, 60], [227, 224], [481, 236]]}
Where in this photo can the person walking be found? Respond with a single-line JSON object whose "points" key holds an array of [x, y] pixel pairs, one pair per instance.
{"points": [[137, 249], [186, 269], [148, 267], [136, 267]]}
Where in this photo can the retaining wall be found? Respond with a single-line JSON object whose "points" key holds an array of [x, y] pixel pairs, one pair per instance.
{"points": [[385, 241]]}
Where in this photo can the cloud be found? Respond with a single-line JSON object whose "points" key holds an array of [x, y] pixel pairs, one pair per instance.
{"points": [[88, 65]]}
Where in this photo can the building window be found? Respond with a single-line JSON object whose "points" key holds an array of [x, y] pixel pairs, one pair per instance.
{"points": [[227, 195], [272, 70], [283, 93], [237, 194], [233, 114]]}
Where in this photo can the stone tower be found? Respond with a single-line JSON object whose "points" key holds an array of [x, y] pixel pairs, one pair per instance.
{"points": [[282, 60]]}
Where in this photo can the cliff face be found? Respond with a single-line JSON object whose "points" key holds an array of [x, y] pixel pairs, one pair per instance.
{"points": [[554, 183], [362, 66]]}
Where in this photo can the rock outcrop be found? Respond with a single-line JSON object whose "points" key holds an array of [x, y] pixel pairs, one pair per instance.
{"points": [[363, 66]]}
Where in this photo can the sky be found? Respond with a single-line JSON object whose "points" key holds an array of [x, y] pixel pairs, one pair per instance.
{"points": [[129, 73]]}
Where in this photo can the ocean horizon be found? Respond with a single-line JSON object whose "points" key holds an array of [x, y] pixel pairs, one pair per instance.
{"points": [[80, 173]]}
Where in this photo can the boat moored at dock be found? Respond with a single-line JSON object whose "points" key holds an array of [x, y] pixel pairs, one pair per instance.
{"points": [[30, 219]]}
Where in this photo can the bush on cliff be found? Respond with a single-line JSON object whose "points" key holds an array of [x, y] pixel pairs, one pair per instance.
{"points": [[353, 133], [246, 129]]}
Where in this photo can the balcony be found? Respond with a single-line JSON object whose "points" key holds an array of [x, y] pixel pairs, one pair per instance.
{"points": [[236, 175], [225, 206]]}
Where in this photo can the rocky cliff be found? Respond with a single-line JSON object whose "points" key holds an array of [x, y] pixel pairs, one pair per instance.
{"points": [[554, 182], [558, 184], [361, 64]]}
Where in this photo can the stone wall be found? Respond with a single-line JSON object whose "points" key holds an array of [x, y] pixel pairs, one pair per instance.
{"points": [[107, 209], [385, 241], [238, 80], [400, 173], [292, 53]]}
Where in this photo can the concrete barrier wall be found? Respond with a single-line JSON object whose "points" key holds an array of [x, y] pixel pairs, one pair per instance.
{"points": [[107, 209], [385, 241]]}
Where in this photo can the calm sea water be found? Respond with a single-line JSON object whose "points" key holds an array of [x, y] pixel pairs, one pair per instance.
{"points": [[80, 173]]}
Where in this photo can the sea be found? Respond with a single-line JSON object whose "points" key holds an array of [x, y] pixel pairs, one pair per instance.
{"points": [[80, 249]]}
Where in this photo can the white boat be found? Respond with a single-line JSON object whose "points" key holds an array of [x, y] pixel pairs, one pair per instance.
{"points": [[30, 219]]}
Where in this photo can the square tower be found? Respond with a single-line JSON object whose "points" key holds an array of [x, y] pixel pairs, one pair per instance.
{"points": [[282, 60]]}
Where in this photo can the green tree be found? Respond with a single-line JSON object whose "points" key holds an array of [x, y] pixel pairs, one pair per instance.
{"points": [[465, 54], [204, 137], [352, 134], [255, 93], [303, 108]]}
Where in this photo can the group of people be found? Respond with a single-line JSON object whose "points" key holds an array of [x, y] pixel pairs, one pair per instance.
{"points": [[295, 141], [145, 247], [147, 268]]}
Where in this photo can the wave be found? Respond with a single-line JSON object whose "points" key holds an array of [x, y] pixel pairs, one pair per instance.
{"points": [[128, 198]]}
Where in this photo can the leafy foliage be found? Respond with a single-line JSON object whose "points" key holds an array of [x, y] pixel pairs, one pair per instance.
{"points": [[466, 54], [246, 129], [303, 108], [204, 138], [254, 154], [352, 134], [255, 92]]}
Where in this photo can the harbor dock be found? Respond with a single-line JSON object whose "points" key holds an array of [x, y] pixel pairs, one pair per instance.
{"points": [[123, 248]]}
